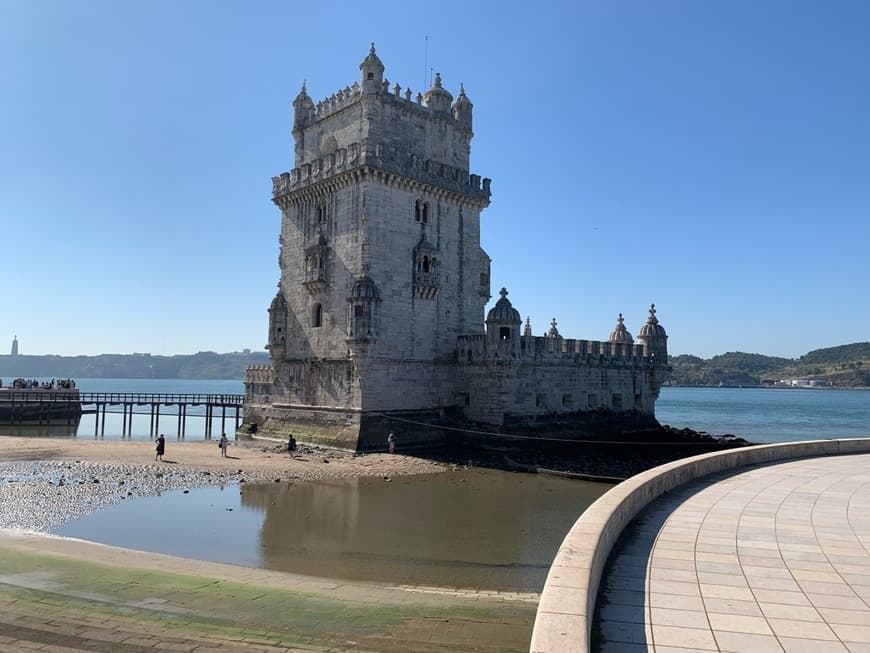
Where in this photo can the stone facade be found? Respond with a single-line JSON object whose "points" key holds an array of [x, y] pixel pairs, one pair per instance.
{"points": [[383, 284]]}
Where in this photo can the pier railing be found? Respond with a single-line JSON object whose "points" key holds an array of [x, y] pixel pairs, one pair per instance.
{"points": [[138, 398], [38, 405]]}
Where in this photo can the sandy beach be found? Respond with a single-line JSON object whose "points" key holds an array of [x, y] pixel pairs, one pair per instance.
{"points": [[258, 459]]}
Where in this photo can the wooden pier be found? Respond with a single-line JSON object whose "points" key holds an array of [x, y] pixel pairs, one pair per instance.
{"points": [[38, 406]]}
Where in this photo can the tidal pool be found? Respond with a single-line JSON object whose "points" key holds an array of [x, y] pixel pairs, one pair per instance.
{"points": [[472, 528]]}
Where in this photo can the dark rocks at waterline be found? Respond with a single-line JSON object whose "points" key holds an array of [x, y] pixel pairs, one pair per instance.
{"points": [[612, 456]]}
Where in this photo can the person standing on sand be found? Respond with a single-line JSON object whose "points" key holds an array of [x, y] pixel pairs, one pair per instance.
{"points": [[161, 447], [223, 443], [391, 441]]}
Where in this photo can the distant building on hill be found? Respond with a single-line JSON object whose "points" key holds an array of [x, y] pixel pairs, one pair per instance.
{"points": [[14, 346], [383, 283]]}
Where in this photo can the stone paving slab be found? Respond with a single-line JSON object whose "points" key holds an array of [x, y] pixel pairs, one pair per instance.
{"points": [[764, 558]]}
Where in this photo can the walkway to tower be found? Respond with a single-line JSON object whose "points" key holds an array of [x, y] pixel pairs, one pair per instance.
{"points": [[772, 556]]}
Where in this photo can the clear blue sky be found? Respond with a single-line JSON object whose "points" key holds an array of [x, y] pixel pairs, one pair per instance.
{"points": [[711, 157]]}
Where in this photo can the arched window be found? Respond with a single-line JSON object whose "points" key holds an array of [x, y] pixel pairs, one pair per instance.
{"points": [[317, 316], [417, 210], [425, 264], [425, 212]]}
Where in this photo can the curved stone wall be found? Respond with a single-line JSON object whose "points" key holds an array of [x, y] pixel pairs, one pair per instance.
{"points": [[567, 604]]}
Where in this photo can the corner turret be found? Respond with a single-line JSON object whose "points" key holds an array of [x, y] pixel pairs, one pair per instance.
{"points": [[503, 328], [371, 73], [654, 339], [462, 110], [303, 109]]}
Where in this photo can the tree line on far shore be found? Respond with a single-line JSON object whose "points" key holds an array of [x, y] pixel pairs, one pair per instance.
{"points": [[202, 365], [845, 366]]}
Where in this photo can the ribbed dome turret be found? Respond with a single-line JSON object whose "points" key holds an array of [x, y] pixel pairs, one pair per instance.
{"points": [[553, 332], [503, 312], [652, 328], [620, 333], [436, 98]]}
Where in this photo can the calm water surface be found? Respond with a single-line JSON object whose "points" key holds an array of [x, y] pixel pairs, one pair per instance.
{"points": [[768, 415], [471, 528]]}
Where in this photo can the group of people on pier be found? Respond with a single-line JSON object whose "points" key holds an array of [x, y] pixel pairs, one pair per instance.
{"points": [[34, 384]]}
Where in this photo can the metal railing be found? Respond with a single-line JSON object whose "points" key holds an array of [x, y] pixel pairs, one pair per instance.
{"points": [[141, 398]]}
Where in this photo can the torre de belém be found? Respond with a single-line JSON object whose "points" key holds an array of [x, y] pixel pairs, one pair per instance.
{"points": [[378, 325]]}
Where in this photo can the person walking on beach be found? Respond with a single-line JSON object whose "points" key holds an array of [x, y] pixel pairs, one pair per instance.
{"points": [[391, 441], [161, 447], [223, 443]]}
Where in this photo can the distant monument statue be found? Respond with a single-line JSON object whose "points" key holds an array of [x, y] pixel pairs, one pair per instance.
{"points": [[14, 346], [378, 322]]}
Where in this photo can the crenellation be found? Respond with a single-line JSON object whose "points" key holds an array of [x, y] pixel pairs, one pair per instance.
{"points": [[409, 169]]}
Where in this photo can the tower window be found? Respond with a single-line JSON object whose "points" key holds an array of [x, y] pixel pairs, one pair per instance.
{"points": [[370, 76], [425, 264], [321, 214], [421, 211], [504, 333], [317, 316]]}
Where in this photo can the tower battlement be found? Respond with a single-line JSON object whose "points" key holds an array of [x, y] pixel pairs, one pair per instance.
{"points": [[403, 98], [388, 123], [439, 177]]}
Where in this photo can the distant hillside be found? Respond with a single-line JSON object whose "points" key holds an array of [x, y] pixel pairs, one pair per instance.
{"points": [[845, 366], [202, 365]]}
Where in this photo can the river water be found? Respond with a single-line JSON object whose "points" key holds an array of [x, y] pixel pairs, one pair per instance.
{"points": [[472, 528]]}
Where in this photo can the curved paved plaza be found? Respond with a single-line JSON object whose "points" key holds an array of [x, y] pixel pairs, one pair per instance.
{"points": [[763, 558]]}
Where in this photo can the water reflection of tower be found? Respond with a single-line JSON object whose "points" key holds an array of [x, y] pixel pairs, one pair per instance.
{"points": [[14, 346], [309, 516]]}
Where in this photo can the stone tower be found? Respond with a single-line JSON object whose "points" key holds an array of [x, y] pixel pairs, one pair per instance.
{"points": [[14, 346], [380, 261]]}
